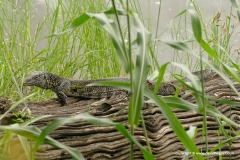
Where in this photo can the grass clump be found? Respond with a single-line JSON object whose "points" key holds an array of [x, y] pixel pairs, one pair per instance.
{"points": [[29, 44]]}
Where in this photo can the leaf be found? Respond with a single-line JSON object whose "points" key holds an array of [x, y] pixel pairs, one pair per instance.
{"points": [[221, 74], [119, 11], [122, 129], [32, 133], [196, 25], [181, 13], [80, 20], [192, 132], [179, 46], [235, 65], [197, 30], [235, 5], [165, 102], [25, 146], [208, 49], [183, 47], [112, 29], [56, 123], [212, 111], [195, 82], [176, 102], [15, 105], [141, 70], [224, 142], [161, 72], [174, 123], [233, 72], [222, 101], [166, 111], [32, 120]]}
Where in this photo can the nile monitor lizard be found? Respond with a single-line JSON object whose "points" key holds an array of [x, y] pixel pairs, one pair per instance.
{"points": [[64, 87]]}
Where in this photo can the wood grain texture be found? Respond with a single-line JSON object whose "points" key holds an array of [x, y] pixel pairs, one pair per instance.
{"points": [[104, 142]]}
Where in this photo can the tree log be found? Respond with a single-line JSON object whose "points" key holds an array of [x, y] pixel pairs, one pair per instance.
{"points": [[104, 142]]}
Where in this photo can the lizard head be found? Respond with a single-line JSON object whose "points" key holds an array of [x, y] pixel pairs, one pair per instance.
{"points": [[37, 78]]}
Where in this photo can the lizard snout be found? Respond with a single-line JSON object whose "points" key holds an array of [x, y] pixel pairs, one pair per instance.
{"points": [[28, 82]]}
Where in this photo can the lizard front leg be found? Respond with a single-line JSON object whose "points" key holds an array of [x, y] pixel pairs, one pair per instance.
{"points": [[61, 90]]}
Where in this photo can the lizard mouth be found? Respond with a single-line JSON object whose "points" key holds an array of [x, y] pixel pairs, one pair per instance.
{"points": [[27, 83]]}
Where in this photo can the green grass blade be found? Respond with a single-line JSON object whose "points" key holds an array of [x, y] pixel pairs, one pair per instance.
{"points": [[161, 72], [196, 25], [195, 82], [197, 30], [183, 47], [123, 130], [32, 120], [174, 124], [178, 46], [32, 133], [15, 105], [181, 13], [56, 123], [26, 147], [75, 153], [236, 65], [80, 20], [172, 119], [233, 72], [235, 5], [120, 127], [212, 111], [175, 102], [222, 101], [141, 68], [120, 11], [113, 31], [208, 49], [224, 142]]}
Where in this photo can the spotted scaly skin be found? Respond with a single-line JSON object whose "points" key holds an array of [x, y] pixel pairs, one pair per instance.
{"points": [[46, 80], [64, 87]]}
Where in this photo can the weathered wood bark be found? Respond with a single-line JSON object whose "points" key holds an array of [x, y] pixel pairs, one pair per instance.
{"points": [[104, 142]]}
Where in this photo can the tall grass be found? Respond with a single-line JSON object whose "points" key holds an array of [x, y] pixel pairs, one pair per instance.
{"points": [[219, 32], [28, 43]]}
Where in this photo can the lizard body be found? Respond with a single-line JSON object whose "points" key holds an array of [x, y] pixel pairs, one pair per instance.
{"points": [[64, 87]]}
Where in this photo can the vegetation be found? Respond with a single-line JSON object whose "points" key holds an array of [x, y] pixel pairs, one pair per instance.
{"points": [[89, 46], [30, 43]]}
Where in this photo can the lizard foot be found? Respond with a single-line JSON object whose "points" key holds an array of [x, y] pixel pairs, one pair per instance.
{"points": [[62, 102]]}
